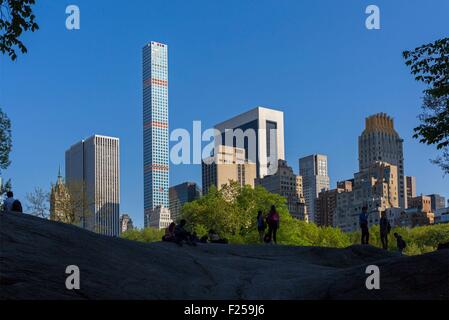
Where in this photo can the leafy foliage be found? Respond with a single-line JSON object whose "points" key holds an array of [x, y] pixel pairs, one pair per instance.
{"points": [[430, 64], [16, 16], [232, 213], [144, 235], [419, 239], [5, 140]]}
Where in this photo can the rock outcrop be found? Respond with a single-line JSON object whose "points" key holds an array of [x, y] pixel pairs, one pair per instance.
{"points": [[34, 254]]}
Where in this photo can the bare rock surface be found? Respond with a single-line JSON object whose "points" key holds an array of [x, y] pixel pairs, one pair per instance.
{"points": [[34, 254]]}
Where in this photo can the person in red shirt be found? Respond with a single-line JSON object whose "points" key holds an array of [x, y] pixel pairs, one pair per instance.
{"points": [[273, 223]]}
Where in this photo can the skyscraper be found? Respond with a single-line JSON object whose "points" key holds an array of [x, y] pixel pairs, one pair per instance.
{"points": [[313, 170], [380, 142], [93, 175], [261, 135], [410, 187], [181, 194], [155, 129]]}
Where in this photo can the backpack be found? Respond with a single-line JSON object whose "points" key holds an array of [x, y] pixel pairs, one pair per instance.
{"points": [[16, 206]]}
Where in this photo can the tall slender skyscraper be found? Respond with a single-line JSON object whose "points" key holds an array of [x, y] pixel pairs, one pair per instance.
{"points": [[155, 128], [313, 170], [380, 142], [92, 169]]}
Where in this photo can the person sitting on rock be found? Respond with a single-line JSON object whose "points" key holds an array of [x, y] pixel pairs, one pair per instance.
{"points": [[17, 206], [7, 203], [400, 242], [195, 238], [215, 238], [169, 235], [181, 234]]}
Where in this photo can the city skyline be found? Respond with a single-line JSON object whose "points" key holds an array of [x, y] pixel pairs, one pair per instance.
{"points": [[297, 105]]}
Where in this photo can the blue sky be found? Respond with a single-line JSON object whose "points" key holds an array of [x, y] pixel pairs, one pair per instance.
{"points": [[314, 60]]}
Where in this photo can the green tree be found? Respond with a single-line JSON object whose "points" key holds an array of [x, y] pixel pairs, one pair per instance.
{"points": [[429, 64], [419, 239], [16, 16], [5, 140], [143, 235], [232, 211]]}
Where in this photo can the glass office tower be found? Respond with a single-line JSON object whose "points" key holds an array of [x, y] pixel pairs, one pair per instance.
{"points": [[155, 128]]}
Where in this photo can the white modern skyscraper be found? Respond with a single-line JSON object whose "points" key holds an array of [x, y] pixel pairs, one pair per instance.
{"points": [[315, 179], [263, 126], [380, 142], [155, 129], [92, 169]]}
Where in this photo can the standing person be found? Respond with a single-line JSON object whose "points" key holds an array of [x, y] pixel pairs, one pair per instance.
{"points": [[7, 204], [385, 228], [261, 226], [400, 242], [363, 220], [273, 223]]}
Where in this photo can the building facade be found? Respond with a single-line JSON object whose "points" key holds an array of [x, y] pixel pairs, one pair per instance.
{"points": [[285, 183], [155, 128], [313, 170], [442, 215], [93, 168], [415, 217], [60, 202], [423, 203], [228, 164], [260, 132], [126, 223], [375, 188], [160, 218], [327, 203], [380, 142], [410, 188], [180, 195], [437, 202]]}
